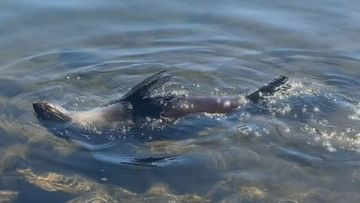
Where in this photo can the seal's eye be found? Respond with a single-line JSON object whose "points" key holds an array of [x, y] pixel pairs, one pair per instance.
{"points": [[50, 112]]}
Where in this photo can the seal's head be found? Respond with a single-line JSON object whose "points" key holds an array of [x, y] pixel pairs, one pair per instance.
{"points": [[50, 112], [79, 125]]}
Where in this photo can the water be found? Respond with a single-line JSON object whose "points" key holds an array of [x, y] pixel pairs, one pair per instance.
{"points": [[303, 145]]}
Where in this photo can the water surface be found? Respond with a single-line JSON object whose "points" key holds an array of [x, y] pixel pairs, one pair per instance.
{"points": [[302, 145]]}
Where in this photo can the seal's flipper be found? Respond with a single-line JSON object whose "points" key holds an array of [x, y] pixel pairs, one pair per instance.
{"points": [[268, 89], [144, 88]]}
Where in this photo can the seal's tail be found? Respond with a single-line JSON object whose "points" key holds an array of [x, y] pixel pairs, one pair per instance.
{"points": [[268, 89]]}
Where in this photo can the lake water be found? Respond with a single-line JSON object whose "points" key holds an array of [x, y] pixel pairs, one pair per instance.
{"points": [[302, 145]]}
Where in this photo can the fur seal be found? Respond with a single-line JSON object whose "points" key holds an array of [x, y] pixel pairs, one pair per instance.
{"points": [[138, 105]]}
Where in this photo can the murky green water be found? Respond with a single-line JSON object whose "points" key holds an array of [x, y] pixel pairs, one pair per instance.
{"points": [[303, 145]]}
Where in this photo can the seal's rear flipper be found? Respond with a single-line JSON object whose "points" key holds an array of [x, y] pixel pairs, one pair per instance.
{"points": [[268, 89], [143, 89]]}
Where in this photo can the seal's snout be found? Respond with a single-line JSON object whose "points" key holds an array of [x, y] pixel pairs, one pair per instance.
{"points": [[50, 112], [38, 108]]}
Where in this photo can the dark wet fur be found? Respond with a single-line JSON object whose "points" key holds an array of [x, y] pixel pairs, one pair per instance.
{"points": [[45, 111], [144, 106]]}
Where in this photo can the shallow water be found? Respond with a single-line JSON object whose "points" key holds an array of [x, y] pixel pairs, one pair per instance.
{"points": [[302, 145]]}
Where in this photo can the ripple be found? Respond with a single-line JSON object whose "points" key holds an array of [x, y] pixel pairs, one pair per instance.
{"points": [[274, 151]]}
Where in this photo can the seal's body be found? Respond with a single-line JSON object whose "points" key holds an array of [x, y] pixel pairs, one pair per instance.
{"points": [[138, 105]]}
